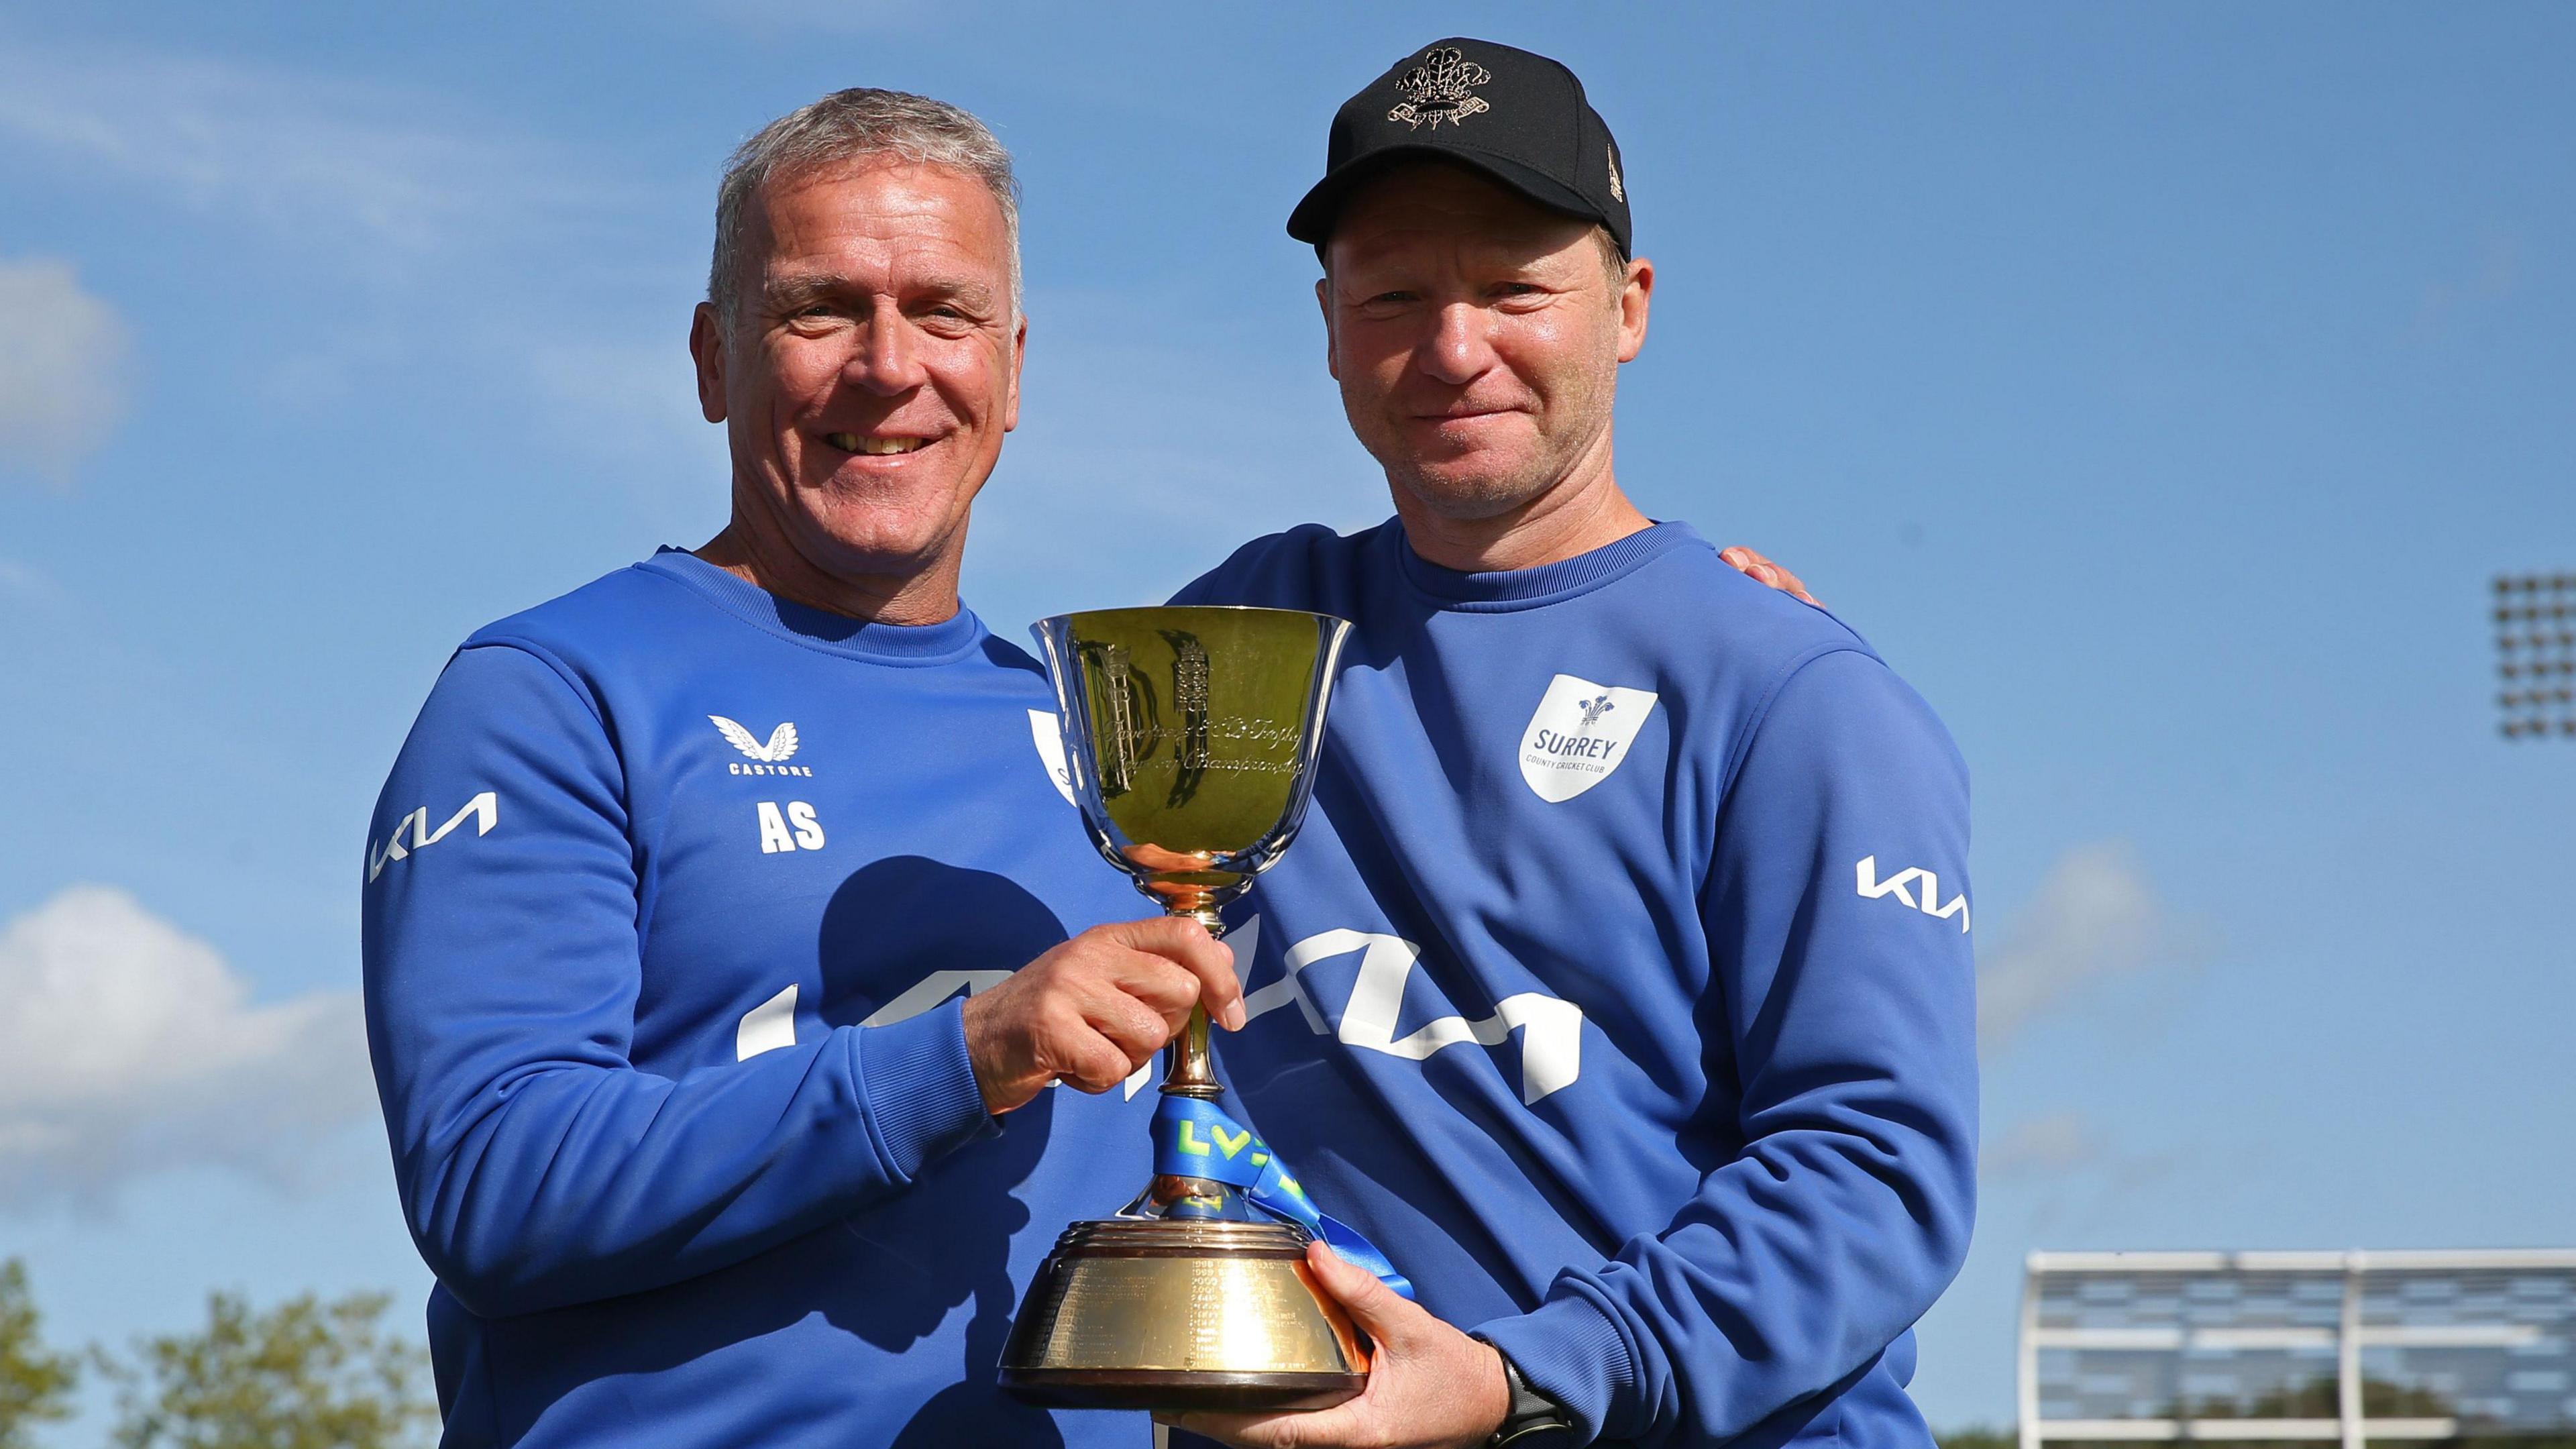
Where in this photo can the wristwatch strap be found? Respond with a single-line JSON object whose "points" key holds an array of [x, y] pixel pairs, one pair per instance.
{"points": [[1531, 1414]]}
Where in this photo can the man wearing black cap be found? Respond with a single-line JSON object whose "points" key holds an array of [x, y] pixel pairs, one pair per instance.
{"points": [[1628, 937]]}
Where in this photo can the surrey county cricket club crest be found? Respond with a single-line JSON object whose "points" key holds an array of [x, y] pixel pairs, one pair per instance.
{"points": [[1436, 89], [1579, 734]]}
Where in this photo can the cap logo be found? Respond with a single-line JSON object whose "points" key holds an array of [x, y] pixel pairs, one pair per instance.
{"points": [[1436, 89], [1615, 193]]}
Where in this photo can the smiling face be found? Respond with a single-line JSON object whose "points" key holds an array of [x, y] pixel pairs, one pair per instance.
{"points": [[868, 379], [1477, 337]]}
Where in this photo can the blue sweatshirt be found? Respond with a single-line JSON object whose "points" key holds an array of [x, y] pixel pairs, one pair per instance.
{"points": [[1619, 984], [671, 902]]}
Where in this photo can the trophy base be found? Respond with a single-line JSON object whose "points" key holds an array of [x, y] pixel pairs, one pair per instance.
{"points": [[1178, 1315], [1180, 1391]]}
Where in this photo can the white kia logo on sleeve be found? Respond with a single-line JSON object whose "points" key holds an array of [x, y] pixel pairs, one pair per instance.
{"points": [[1579, 734]]}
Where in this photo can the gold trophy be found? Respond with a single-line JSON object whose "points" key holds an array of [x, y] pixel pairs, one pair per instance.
{"points": [[1191, 736]]}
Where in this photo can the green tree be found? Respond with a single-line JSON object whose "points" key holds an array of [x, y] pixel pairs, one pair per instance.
{"points": [[1978, 1436], [35, 1385], [303, 1375]]}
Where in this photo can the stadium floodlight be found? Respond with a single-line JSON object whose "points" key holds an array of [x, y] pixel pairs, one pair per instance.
{"points": [[2535, 623]]}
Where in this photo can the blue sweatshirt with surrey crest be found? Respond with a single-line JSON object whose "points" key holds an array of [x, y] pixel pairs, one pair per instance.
{"points": [[1619, 984], [671, 900]]}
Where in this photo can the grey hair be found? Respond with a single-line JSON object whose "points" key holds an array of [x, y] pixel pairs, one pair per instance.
{"points": [[854, 125]]}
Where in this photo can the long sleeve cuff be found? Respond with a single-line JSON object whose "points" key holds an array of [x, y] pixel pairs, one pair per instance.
{"points": [[919, 1087], [1573, 1351]]}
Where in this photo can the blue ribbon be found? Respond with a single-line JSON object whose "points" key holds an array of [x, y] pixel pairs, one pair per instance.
{"points": [[1201, 1139]]}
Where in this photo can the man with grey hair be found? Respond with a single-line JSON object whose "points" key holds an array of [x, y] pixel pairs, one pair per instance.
{"points": [[675, 890]]}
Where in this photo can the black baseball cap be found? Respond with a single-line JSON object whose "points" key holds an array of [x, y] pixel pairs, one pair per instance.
{"points": [[1516, 117]]}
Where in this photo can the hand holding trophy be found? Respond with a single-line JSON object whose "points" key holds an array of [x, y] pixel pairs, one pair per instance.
{"points": [[1191, 736]]}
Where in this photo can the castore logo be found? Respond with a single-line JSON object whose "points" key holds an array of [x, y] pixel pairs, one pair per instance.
{"points": [[779, 748]]}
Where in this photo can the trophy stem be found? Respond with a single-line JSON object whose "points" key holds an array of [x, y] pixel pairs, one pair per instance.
{"points": [[1193, 1074], [1193, 1070]]}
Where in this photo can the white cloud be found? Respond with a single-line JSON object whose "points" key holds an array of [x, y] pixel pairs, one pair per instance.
{"points": [[2094, 917], [30, 584], [63, 369], [2054, 1143], [128, 1046], [316, 158]]}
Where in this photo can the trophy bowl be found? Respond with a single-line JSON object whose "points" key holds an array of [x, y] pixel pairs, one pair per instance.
{"points": [[1191, 735]]}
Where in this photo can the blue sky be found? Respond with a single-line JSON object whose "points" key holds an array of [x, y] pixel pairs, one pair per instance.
{"points": [[2156, 385]]}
